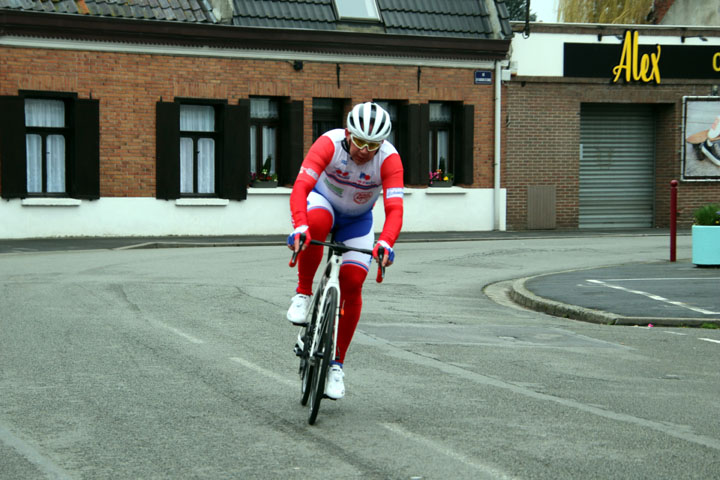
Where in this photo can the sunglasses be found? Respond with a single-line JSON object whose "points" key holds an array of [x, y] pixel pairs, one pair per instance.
{"points": [[371, 146]]}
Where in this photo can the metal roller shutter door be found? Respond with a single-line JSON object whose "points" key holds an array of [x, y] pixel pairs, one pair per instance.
{"points": [[617, 166]]}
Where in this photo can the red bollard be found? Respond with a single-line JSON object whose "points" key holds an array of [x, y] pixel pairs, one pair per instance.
{"points": [[673, 219]]}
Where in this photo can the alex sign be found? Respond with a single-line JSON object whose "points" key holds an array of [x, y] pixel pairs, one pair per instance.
{"points": [[634, 65], [631, 61]]}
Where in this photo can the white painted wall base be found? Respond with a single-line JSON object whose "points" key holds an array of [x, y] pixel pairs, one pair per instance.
{"points": [[265, 212]]}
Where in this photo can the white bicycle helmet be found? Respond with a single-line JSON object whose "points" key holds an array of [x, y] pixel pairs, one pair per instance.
{"points": [[369, 121]]}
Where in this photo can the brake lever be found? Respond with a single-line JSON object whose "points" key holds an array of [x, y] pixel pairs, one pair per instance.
{"points": [[381, 268], [293, 260]]}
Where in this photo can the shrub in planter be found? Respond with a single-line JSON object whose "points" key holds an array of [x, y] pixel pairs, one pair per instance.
{"points": [[706, 235], [708, 214]]}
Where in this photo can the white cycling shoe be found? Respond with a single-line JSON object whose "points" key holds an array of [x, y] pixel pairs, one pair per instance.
{"points": [[334, 385], [297, 313]]}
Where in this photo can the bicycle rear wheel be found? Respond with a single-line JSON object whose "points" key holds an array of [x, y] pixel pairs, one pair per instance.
{"points": [[324, 354]]}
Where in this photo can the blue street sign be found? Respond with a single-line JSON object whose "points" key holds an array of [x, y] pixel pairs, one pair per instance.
{"points": [[483, 77]]}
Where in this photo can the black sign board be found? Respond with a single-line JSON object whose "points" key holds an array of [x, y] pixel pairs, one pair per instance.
{"points": [[675, 61]]}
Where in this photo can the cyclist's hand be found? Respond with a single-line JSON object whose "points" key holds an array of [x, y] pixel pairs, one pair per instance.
{"points": [[389, 257], [293, 241]]}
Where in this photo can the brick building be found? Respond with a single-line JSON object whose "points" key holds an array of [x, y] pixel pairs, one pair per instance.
{"points": [[148, 117], [596, 130]]}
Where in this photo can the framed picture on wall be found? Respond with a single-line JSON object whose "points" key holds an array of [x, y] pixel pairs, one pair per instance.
{"points": [[701, 139]]}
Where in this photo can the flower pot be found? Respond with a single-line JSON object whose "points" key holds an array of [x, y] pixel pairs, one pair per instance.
{"points": [[442, 183], [706, 245], [264, 183]]}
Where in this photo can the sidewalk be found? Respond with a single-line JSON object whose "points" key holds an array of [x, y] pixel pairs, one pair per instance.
{"points": [[94, 243], [662, 293], [676, 294]]}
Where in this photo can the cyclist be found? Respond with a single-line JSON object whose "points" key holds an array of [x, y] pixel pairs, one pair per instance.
{"points": [[340, 179]]}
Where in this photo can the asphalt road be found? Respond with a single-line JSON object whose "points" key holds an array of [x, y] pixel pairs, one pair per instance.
{"points": [[177, 363]]}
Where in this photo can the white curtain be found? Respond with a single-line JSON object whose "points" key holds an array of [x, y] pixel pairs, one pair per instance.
{"points": [[33, 147], [45, 113], [440, 112], [269, 146], [443, 149], [186, 165], [55, 163], [253, 148], [197, 118], [263, 108], [206, 165]]}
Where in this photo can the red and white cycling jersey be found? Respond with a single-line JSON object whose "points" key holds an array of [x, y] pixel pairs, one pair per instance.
{"points": [[350, 188]]}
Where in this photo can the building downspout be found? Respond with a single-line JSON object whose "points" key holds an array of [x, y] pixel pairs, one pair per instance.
{"points": [[498, 137]]}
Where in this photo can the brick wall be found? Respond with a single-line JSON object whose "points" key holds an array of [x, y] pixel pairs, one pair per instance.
{"points": [[543, 136], [128, 86]]}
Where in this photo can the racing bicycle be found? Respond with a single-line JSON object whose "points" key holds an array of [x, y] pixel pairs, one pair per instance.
{"points": [[317, 340]]}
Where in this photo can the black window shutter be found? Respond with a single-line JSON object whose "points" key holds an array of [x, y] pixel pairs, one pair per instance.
{"points": [[416, 165], [291, 141], [84, 168], [463, 117], [167, 150], [236, 151], [12, 147], [403, 134]]}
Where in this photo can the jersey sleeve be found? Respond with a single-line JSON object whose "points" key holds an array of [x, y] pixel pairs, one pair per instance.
{"points": [[317, 159], [392, 181]]}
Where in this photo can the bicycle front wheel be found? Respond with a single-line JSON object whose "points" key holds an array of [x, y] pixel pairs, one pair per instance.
{"points": [[325, 354]]}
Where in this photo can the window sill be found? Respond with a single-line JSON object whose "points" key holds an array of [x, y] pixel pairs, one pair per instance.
{"points": [[51, 202], [202, 202], [445, 191], [269, 191]]}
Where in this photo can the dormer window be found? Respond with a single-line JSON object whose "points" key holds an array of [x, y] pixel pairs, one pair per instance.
{"points": [[357, 10]]}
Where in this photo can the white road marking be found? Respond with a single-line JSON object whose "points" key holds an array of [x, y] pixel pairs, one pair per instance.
{"points": [[180, 333], [489, 471], [710, 340], [265, 372], [673, 430], [661, 279], [655, 297], [44, 464]]}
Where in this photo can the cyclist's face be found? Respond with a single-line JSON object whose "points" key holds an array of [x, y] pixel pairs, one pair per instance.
{"points": [[359, 155]]}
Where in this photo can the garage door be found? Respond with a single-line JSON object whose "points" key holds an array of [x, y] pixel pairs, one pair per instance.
{"points": [[617, 166]]}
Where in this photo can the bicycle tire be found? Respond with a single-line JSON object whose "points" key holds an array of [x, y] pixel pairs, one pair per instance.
{"points": [[306, 366], [326, 324]]}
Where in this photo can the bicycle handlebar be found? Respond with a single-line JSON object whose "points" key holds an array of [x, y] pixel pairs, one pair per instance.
{"points": [[344, 248]]}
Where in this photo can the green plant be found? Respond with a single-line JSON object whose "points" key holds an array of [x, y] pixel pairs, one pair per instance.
{"points": [[265, 175], [708, 214], [440, 175], [711, 326]]}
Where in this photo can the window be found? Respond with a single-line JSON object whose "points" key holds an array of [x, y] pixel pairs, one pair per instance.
{"points": [[197, 150], [439, 141], [264, 123], [434, 134], [327, 115], [365, 10], [49, 145], [201, 149], [204, 146], [45, 145], [392, 108]]}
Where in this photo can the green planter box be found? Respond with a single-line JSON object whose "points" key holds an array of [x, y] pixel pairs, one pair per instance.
{"points": [[706, 245], [264, 184], [442, 183]]}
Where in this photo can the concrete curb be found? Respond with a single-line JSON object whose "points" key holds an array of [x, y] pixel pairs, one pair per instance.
{"points": [[522, 296]]}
